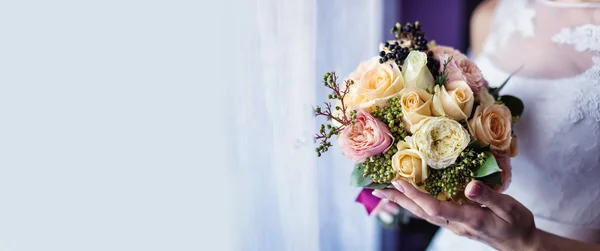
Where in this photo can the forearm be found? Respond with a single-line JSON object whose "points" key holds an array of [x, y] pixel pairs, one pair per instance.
{"points": [[544, 241]]}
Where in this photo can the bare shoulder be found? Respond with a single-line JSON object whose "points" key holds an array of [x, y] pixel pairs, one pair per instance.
{"points": [[481, 21]]}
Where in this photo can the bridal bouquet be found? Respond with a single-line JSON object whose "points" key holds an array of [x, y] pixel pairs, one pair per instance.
{"points": [[421, 113]]}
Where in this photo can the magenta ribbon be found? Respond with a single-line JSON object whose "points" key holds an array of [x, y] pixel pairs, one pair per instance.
{"points": [[368, 200]]}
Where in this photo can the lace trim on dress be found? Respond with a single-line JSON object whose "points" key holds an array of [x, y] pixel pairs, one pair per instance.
{"points": [[583, 38]]}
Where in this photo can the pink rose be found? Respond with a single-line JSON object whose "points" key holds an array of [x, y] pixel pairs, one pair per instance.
{"points": [[439, 50], [503, 159], [472, 75], [366, 138], [460, 68]]}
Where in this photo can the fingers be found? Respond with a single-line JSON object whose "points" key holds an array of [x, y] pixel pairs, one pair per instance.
{"points": [[390, 207], [433, 207], [408, 204], [386, 210], [502, 205]]}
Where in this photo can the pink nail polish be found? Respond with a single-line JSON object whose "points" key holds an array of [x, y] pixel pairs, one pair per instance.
{"points": [[379, 194], [398, 186]]}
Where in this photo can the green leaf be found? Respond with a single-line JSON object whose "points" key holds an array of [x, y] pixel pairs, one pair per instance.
{"points": [[514, 104], [357, 178], [478, 146], [492, 179], [489, 167]]}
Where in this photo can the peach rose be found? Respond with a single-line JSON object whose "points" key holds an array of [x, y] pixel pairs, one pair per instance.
{"points": [[492, 126], [416, 105], [366, 138], [455, 100], [410, 165]]}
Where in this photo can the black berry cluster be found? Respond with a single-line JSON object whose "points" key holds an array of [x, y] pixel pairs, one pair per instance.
{"points": [[409, 37]]}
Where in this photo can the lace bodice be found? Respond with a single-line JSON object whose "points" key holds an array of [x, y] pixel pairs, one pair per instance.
{"points": [[557, 47]]}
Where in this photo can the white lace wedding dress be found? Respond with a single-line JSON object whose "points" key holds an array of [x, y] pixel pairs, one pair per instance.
{"points": [[557, 173]]}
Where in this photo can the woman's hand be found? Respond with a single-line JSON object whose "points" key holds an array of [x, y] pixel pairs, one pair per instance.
{"points": [[386, 211], [502, 222]]}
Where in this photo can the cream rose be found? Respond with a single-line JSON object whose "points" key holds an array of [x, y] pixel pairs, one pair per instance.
{"points": [[410, 165], [416, 105], [454, 100], [374, 84], [415, 71], [492, 126], [440, 140]]}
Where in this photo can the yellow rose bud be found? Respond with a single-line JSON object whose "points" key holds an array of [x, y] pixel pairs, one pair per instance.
{"points": [[416, 105], [410, 165], [455, 100]]}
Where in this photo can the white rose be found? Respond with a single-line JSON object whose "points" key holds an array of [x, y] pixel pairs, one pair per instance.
{"points": [[440, 140], [415, 71], [454, 100]]}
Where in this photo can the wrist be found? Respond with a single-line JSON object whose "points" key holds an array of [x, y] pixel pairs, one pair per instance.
{"points": [[532, 242]]}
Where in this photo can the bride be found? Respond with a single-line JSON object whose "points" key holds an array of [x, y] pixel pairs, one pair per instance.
{"points": [[553, 202]]}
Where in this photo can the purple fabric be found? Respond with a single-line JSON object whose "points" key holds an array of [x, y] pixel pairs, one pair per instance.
{"points": [[442, 21], [368, 200]]}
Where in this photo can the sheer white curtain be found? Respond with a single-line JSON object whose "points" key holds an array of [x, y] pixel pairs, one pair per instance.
{"points": [[286, 197]]}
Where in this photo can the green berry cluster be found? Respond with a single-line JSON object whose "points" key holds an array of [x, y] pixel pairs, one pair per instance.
{"points": [[456, 176], [391, 115], [379, 167]]}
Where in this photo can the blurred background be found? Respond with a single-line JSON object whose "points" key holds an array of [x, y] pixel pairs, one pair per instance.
{"points": [[294, 200]]}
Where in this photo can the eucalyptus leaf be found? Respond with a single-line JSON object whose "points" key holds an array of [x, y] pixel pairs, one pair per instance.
{"points": [[357, 178], [376, 185], [489, 167], [514, 104]]}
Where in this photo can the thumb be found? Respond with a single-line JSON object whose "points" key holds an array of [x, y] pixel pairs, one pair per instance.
{"points": [[479, 192], [485, 195]]}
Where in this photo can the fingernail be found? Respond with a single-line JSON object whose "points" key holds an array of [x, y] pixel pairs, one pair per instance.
{"points": [[386, 218], [475, 190], [379, 194], [398, 186]]}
